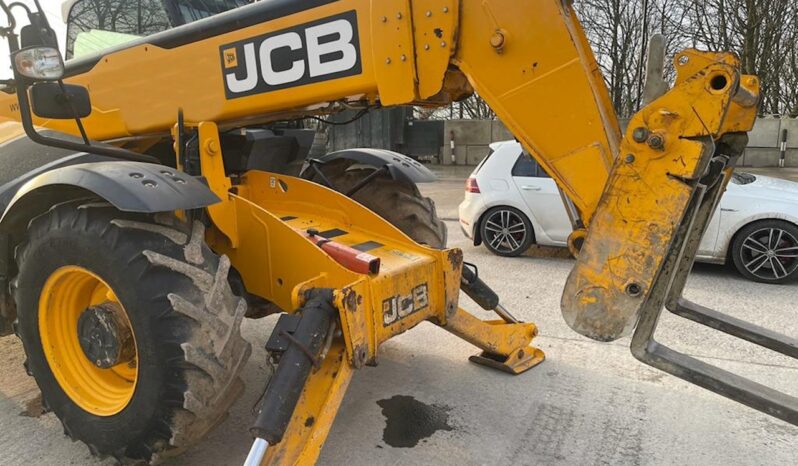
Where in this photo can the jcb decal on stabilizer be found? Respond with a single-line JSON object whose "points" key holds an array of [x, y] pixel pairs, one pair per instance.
{"points": [[398, 307], [309, 53]]}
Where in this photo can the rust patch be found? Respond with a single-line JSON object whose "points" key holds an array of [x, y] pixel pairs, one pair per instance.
{"points": [[351, 300], [360, 356], [455, 257]]}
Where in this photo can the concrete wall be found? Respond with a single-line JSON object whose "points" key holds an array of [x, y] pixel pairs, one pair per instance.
{"points": [[765, 143], [472, 139], [431, 140], [379, 130]]}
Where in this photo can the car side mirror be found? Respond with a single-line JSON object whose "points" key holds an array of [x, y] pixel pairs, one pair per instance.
{"points": [[49, 101]]}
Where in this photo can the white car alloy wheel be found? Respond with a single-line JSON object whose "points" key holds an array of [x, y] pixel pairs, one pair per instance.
{"points": [[506, 232], [768, 252]]}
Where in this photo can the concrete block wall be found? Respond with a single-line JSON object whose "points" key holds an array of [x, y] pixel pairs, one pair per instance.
{"points": [[765, 143], [472, 139]]}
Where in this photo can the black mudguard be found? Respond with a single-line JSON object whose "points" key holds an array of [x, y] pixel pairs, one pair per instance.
{"points": [[401, 167], [129, 186], [33, 178]]}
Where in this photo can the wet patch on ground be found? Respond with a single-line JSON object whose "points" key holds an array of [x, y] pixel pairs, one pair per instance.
{"points": [[409, 421]]}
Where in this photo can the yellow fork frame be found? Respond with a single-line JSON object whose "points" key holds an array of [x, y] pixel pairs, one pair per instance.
{"points": [[259, 225]]}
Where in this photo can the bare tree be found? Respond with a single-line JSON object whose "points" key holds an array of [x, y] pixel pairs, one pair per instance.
{"points": [[765, 35], [763, 32], [138, 17], [619, 32]]}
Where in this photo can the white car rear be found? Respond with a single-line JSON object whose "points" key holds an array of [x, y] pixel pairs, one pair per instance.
{"points": [[511, 203]]}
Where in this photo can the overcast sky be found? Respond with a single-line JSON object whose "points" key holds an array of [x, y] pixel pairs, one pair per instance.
{"points": [[53, 10]]}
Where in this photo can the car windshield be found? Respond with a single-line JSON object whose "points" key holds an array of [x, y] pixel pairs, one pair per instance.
{"points": [[743, 178]]}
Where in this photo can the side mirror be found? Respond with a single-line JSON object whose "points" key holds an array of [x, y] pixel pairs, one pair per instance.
{"points": [[39, 63], [38, 33], [49, 101]]}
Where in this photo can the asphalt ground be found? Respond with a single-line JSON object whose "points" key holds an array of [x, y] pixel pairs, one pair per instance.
{"points": [[588, 404]]}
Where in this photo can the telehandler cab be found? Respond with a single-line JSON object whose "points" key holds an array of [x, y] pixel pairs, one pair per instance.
{"points": [[149, 207]]}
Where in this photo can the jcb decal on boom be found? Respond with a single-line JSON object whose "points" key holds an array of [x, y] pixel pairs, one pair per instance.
{"points": [[400, 306], [309, 53]]}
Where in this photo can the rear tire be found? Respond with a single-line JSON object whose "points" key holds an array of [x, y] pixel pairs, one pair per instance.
{"points": [[506, 231], [184, 318], [753, 243], [398, 202]]}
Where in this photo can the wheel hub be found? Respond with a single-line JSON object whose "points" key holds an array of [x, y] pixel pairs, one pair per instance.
{"points": [[104, 337]]}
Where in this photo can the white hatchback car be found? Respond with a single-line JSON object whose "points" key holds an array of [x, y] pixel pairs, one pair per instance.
{"points": [[511, 203]]}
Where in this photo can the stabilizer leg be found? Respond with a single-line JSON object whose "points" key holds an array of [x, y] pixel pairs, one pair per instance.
{"points": [[505, 346], [505, 343]]}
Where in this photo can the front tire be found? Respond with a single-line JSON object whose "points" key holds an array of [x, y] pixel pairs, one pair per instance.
{"points": [[767, 252], [181, 375]]}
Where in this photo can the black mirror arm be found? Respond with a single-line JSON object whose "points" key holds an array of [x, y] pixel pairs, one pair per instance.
{"points": [[26, 116], [78, 120]]}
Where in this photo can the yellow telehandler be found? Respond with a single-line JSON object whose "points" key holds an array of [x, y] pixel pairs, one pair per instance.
{"points": [[151, 201]]}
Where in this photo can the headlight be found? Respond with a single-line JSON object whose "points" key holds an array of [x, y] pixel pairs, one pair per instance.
{"points": [[40, 63]]}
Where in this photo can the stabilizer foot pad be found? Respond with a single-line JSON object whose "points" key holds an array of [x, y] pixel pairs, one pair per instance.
{"points": [[517, 363]]}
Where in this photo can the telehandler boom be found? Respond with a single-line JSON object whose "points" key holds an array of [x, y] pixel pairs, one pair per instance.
{"points": [[149, 207]]}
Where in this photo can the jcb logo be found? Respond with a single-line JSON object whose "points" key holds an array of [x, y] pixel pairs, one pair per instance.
{"points": [[401, 306], [309, 53]]}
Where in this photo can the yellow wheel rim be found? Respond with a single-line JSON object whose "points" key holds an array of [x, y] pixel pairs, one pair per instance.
{"points": [[66, 294]]}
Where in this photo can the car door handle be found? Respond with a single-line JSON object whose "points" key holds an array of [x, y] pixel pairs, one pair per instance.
{"points": [[531, 188]]}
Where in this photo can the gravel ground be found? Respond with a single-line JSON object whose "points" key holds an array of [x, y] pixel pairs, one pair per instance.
{"points": [[588, 404]]}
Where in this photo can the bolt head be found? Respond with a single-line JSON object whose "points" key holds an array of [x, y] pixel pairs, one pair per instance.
{"points": [[656, 141], [640, 135], [630, 158], [426, 46], [212, 147], [446, 9], [388, 61], [429, 13], [398, 15], [497, 40], [384, 19]]}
